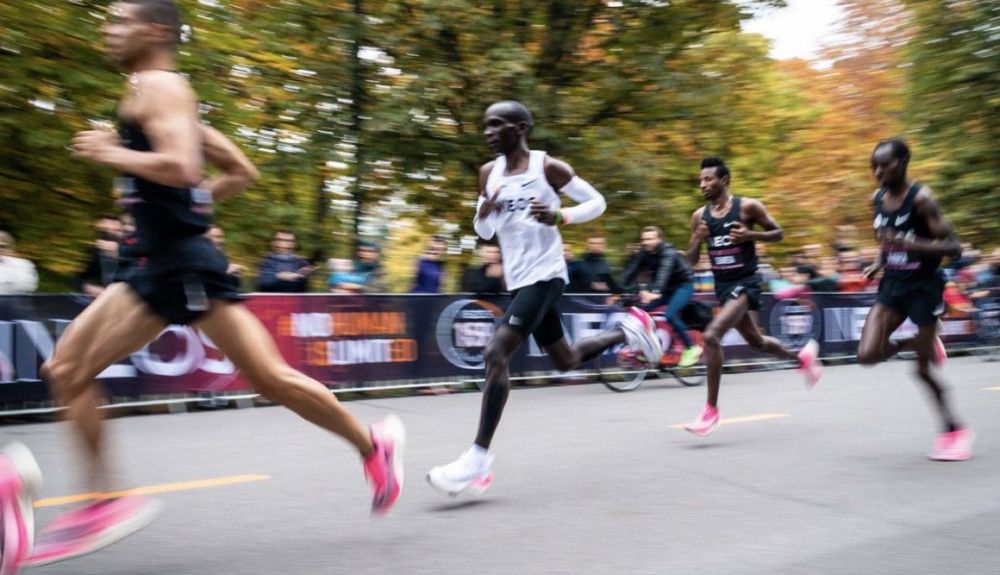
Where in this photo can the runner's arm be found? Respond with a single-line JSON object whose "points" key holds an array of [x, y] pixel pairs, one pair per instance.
{"points": [[590, 204], [758, 214], [483, 222], [699, 231], [945, 242], [237, 170], [167, 111]]}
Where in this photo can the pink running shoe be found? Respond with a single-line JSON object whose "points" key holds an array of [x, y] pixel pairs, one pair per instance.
{"points": [[706, 422], [953, 445], [809, 364], [940, 353], [93, 527], [384, 465], [20, 480], [640, 332]]}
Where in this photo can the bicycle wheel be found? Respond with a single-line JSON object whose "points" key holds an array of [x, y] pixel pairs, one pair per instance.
{"points": [[624, 374], [690, 376]]}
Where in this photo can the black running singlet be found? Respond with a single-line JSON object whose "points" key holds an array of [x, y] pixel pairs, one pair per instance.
{"points": [[730, 262], [899, 263], [163, 214]]}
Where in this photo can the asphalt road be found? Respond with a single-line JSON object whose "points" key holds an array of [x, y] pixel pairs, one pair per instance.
{"points": [[832, 480]]}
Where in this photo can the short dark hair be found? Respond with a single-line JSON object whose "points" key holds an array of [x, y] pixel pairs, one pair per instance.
{"points": [[655, 229], [899, 149], [162, 12], [517, 112], [721, 170]]}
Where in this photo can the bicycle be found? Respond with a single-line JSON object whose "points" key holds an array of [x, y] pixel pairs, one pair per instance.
{"points": [[628, 369]]}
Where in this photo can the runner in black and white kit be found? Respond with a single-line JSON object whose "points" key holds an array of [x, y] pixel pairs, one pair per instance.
{"points": [[179, 277], [726, 225], [913, 236], [519, 203]]}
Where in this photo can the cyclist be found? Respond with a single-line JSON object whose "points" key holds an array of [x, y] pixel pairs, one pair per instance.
{"points": [[671, 283]]}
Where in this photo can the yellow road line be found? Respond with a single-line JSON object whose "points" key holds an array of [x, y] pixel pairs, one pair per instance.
{"points": [[744, 419], [997, 388], [153, 489]]}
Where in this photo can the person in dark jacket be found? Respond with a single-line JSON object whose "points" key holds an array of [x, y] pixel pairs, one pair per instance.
{"points": [[430, 267], [672, 284], [283, 271], [597, 268], [488, 277], [579, 279]]}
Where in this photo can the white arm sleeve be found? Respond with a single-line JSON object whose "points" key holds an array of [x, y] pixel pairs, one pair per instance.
{"points": [[484, 228], [590, 202]]}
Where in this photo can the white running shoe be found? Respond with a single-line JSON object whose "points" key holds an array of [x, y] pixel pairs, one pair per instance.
{"points": [[464, 474], [641, 336]]}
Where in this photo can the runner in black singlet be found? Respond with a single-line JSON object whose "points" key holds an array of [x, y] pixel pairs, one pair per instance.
{"points": [[726, 225], [914, 237], [178, 277]]}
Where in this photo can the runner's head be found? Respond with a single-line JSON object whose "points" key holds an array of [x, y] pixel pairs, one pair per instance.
{"points": [[137, 28], [650, 238], [506, 126], [890, 158], [714, 178]]}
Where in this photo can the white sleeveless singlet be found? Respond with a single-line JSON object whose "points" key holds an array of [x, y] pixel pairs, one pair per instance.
{"points": [[532, 252]]}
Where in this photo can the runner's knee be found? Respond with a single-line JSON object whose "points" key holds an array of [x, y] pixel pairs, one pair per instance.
{"points": [[712, 338], [495, 355], [868, 356]]}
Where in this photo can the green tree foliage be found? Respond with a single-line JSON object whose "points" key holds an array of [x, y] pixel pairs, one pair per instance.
{"points": [[360, 113], [953, 107]]}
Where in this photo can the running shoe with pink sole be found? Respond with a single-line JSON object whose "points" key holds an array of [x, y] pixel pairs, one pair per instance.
{"points": [[384, 465], [641, 335], [953, 445], [93, 527], [20, 480], [467, 474], [706, 422], [809, 364]]}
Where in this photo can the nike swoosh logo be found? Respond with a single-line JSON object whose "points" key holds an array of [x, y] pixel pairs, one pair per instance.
{"points": [[728, 224], [528, 183], [900, 220]]}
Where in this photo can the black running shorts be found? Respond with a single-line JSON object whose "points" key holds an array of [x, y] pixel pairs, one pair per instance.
{"points": [[921, 300], [533, 311], [750, 285], [179, 285]]}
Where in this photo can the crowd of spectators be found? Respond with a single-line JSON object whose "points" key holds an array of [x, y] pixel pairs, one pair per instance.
{"points": [[838, 268]]}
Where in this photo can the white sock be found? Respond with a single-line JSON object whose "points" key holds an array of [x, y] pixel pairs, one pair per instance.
{"points": [[478, 455]]}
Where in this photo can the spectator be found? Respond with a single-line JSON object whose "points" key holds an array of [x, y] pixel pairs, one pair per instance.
{"points": [[430, 267], [218, 238], [672, 284], [17, 275], [283, 271], [102, 262], [486, 278], [849, 276], [369, 267], [579, 280], [788, 277], [342, 279], [825, 278], [596, 266], [765, 265]]}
